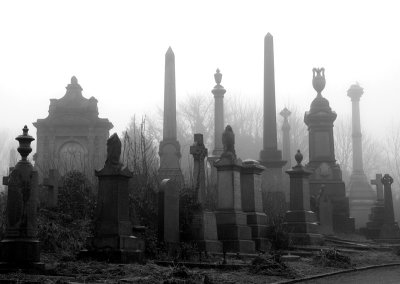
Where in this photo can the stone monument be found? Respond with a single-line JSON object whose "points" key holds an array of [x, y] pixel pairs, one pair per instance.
{"points": [[72, 137], [168, 215], [204, 225], [300, 222], [233, 231], [20, 247], [113, 240], [377, 216], [170, 149], [270, 156], [361, 196], [285, 113], [390, 231], [50, 187], [250, 183], [322, 163]]}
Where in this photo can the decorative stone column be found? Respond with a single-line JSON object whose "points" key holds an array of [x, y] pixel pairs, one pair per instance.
{"points": [[170, 149], [113, 240], [20, 247], [300, 222], [233, 231], [361, 196], [322, 162], [285, 113], [218, 92], [270, 156]]}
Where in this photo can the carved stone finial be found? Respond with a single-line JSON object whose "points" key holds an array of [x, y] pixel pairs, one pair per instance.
{"points": [[218, 77], [387, 180], [298, 157], [318, 80], [285, 113], [113, 152], [228, 140], [74, 80], [24, 140]]}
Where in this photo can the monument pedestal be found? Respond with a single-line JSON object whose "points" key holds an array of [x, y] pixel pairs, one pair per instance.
{"points": [[362, 199], [233, 232], [204, 232], [377, 218]]}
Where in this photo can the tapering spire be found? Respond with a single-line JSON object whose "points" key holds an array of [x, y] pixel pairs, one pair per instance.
{"points": [[169, 131]]}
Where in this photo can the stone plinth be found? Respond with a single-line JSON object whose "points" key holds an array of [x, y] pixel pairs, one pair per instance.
{"points": [[250, 180], [300, 222], [20, 247], [322, 162], [168, 214], [113, 240], [233, 231]]}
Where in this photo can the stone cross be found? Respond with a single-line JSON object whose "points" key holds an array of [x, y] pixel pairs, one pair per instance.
{"points": [[387, 181], [199, 153], [379, 187]]}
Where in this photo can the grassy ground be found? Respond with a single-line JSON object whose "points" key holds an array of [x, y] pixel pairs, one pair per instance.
{"points": [[70, 271]]}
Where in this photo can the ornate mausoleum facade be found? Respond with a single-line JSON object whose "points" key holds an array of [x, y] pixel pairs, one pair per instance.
{"points": [[72, 136]]}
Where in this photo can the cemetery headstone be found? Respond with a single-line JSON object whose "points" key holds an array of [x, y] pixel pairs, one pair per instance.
{"points": [[20, 247], [377, 215], [233, 231], [50, 189], [325, 212], [204, 225], [300, 222], [390, 231], [322, 162], [113, 240]]}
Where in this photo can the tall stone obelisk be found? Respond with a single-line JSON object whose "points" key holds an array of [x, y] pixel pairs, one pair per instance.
{"points": [[361, 195], [270, 156], [170, 149]]}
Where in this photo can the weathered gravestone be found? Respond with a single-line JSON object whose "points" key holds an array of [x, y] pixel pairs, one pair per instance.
{"points": [[233, 231], [300, 222], [168, 214], [322, 162], [204, 225], [377, 216], [250, 183], [49, 194], [325, 213], [113, 240], [390, 231], [20, 247]]}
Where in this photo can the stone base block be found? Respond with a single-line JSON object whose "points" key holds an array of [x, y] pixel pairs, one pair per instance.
{"points": [[305, 239], [257, 218], [234, 232], [301, 228], [300, 217], [259, 231], [204, 226], [360, 211], [129, 243], [231, 217], [390, 231], [209, 246], [262, 244], [113, 256], [241, 246], [20, 253], [343, 224]]}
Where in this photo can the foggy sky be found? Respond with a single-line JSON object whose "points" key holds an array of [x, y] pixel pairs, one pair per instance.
{"points": [[116, 50]]}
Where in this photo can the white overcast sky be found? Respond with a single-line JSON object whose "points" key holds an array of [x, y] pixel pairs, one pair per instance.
{"points": [[116, 50]]}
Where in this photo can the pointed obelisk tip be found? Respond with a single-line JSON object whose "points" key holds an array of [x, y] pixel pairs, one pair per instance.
{"points": [[74, 81], [169, 52], [268, 36]]}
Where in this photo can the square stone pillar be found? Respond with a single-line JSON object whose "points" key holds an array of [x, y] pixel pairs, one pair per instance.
{"points": [[250, 181], [300, 222]]}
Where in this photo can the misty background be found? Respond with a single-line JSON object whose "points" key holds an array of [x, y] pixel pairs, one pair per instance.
{"points": [[116, 50]]}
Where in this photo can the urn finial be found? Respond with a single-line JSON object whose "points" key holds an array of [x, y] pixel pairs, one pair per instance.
{"points": [[318, 80], [24, 140], [218, 77], [298, 157]]}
